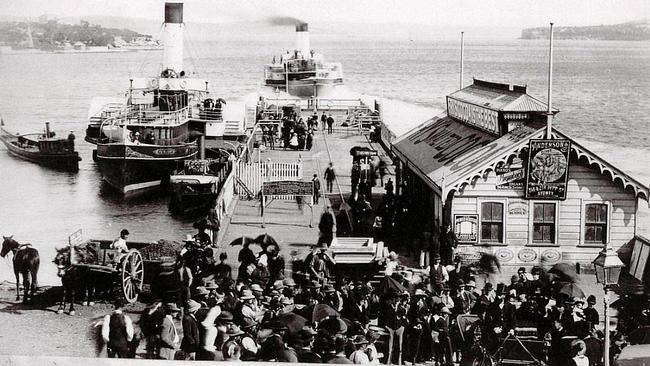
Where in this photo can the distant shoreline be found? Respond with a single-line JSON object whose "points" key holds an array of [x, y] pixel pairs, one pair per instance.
{"points": [[633, 31]]}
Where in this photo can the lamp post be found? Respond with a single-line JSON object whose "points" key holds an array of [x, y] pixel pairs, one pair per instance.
{"points": [[608, 268], [277, 108]]}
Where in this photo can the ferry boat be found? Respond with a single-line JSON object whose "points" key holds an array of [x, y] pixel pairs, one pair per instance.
{"points": [[43, 149], [303, 73], [142, 138]]}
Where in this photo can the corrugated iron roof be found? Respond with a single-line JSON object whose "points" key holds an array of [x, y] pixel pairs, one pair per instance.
{"points": [[438, 143], [501, 100]]}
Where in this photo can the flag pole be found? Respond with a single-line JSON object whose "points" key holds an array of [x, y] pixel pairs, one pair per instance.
{"points": [[462, 51], [549, 112]]}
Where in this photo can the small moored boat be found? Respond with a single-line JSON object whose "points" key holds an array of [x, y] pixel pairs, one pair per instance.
{"points": [[197, 186], [43, 149]]}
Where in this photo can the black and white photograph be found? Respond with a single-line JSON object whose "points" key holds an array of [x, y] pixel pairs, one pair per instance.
{"points": [[412, 183]]}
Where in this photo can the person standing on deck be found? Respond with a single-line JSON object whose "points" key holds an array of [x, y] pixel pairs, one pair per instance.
{"points": [[330, 175], [316, 183], [71, 138], [323, 121]]}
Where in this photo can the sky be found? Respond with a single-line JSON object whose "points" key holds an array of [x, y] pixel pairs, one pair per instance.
{"points": [[490, 13]]}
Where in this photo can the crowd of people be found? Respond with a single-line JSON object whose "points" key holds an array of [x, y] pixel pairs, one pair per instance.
{"points": [[294, 132], [317, 315]]}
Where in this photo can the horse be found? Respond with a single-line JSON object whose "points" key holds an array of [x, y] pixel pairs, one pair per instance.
{"points": [[26, 262], [74, 276]]}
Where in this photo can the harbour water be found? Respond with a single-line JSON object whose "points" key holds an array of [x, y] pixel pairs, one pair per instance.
{"points": [[601, 88]]}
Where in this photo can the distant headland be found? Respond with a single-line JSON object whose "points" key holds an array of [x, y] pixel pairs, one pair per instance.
{"points": [[632, 31], [52, 35]]}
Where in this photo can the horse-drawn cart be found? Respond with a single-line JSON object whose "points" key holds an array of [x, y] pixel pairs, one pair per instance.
{"points": [[130, 270]]}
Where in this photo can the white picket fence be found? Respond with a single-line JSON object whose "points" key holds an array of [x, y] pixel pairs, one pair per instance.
{"points": [[253, 174]]}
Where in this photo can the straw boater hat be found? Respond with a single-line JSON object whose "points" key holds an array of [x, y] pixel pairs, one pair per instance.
{"points": [[471, 284], [188, 238], [256, 288], [378, 330], [329, 288], [289, 282], [192, 306], [419, 292], [278, 285], [247, 295]]}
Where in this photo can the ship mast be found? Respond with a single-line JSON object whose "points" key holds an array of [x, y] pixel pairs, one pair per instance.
{"points": [[462, 51]]}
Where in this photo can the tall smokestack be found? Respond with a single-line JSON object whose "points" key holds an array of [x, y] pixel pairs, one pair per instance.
{"points": [[173, 37], [302, 39]]}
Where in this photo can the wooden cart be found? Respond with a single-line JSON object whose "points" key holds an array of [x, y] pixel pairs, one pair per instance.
{"points": [[134, 269]]}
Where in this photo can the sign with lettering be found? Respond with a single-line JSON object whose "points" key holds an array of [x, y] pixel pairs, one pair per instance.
{"points": [[288, 188], [466, 228], [517, 208], [511, 176], [480, 117], [548, 169], [76, 238]]}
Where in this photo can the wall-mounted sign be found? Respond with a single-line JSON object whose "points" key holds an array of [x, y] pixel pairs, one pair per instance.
{"points": [[466, 228], [480, 117], [510, 176], [548, 169], [517, 208]]}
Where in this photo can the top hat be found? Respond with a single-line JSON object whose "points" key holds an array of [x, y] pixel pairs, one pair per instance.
{"points": [[501, 289]]}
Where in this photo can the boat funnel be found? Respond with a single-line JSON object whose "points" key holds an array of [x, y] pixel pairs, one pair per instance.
{"points": [[173, 38], [302, 39]]}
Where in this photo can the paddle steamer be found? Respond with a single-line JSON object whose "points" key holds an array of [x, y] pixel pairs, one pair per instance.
{"points": [[144, 138]]}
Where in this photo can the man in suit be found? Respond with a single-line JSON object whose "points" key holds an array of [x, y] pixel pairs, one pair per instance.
{"points": [[191, 341], [316, 184], [168, 333]]}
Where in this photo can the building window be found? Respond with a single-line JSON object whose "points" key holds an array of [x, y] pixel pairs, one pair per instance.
{"points": [[596, 223], [544, 223], [492, 222]]}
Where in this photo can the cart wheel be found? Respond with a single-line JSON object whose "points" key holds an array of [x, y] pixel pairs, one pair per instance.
{"points": [[132, 275]]}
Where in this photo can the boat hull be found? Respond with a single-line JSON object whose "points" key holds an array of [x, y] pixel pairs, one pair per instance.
{"points": [[183, 202], [307, 88], [132, 169], [66, 161]]}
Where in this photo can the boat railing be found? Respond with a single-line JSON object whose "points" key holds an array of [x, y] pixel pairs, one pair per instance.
{"points": [[144, 117], [334, 103], [206, 113]]}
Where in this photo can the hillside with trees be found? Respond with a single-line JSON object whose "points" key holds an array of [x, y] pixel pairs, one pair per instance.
{"points": [[632, 31], [51, 34]]}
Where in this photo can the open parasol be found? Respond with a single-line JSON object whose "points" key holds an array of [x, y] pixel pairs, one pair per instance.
{"points": [[317, 312], [572, 290], [334, 325], [565, 272], [241, 240], [390, 285], [293, 322], [265, 240]]}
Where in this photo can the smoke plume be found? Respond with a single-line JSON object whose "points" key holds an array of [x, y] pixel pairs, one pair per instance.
{"points": [[278, 21]]}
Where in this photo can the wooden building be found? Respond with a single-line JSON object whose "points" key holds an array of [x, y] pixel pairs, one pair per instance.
{"points": [[487, 168]]}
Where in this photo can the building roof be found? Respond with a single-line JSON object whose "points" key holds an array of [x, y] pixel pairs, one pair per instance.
{"points": [[500, 97], [449, 155]]}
